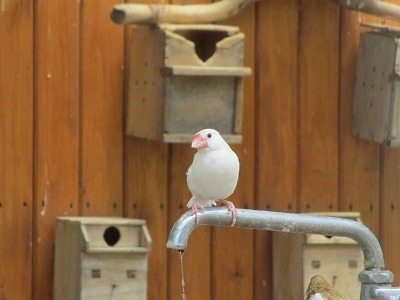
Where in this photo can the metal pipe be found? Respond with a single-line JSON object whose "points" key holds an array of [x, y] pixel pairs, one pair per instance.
{"points": [[175, 13], [374, 7], [385, 293], [278, 221], [217, 11]]}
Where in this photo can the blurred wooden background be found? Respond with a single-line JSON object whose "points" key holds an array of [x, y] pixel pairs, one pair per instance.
{"points": [[63, 67]]}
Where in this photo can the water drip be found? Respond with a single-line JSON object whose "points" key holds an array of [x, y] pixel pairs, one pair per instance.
{"points": [[181, 252]]}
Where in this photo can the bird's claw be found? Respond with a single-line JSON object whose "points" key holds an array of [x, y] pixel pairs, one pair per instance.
{"points": [[234, 213], [195, 210], [231, 207]]}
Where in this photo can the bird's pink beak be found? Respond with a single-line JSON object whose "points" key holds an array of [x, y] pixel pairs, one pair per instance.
{"points": [[198, 142]]}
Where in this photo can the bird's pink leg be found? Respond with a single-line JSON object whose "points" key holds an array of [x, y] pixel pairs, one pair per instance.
{"points": [[231, 207], [195, 210]]}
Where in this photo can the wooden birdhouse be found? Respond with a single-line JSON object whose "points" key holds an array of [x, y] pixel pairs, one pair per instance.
{"points": [[184, 78], [298, 257], [376, 107], [101, 258]]}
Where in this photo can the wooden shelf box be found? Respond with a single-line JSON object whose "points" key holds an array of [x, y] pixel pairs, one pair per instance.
{"points": [[184, 78], [376, 107], [298, 257], [101, 258]]}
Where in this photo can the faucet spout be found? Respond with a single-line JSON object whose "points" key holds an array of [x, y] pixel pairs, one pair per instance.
{"points": [[284, 222]]}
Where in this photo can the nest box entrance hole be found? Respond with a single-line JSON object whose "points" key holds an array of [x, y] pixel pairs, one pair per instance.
{"points": [[205, 41], [111, 235]]}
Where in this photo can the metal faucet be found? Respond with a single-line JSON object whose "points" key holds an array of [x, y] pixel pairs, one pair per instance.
{"points": [[375, 280]]}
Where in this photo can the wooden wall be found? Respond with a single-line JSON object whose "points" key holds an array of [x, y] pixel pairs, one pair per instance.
{"points": [[63, 67]]}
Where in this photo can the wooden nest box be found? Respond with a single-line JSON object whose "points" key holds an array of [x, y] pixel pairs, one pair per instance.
{"points": [[376, 107], [184, 78], [101, 258]]}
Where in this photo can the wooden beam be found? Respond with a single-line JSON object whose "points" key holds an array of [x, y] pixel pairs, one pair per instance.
{"points": [[56, 118], [101, 161], [16, 149]]}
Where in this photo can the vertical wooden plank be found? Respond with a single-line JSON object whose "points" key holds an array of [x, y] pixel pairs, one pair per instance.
{"points": [[102, 103], [390, 211], [146, 190], [16, 128], [276, 113], [318, 105], [359, 160], [233, 249], [145, 186], [56, 118], [276, 124]]}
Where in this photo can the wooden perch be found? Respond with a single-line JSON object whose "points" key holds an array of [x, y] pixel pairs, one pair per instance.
{"points": [[196, 13]]}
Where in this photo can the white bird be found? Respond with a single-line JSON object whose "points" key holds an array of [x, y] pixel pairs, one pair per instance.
{"points": [[214, 173], [320, 289]]}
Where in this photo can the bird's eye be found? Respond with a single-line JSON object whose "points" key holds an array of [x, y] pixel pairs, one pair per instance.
{"points": [[209, 135]]}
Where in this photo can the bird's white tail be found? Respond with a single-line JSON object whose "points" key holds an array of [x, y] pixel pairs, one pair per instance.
{"points": [[201, 202]]}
